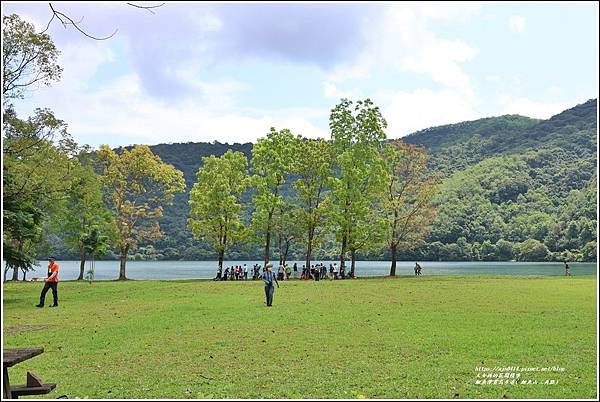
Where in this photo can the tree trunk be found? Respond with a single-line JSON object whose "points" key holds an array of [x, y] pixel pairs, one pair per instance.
{"points": [[267, 245], [353, 255], [24, 275], [123, 258], [82, 265], [343, 253], [309, 253], [285, 252], [15, 276], [279, 247], [393, 268], [221, 255]]}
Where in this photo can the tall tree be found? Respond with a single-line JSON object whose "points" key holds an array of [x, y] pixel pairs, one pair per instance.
{"points": [[22, 224], [357, 134], [286, 229], [312, 170], [85, 215], [37, 166], [96, 244], [216, 201], [37, 150], [271, 162], [137, 185], [28, 58], [408, 210]]}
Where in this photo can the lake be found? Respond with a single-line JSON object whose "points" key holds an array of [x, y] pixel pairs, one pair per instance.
{"points": [[108, 270]]}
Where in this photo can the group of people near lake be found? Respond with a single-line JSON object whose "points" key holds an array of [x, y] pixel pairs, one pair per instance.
{"points": [[233, 273], [284, 272]]}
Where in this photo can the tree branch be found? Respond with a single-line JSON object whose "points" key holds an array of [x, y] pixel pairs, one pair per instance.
{"points": [[147, 8], [66, 20]]}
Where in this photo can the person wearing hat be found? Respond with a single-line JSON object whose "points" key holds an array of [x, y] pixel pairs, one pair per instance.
{"points": [[268, 278], [51, 283]]}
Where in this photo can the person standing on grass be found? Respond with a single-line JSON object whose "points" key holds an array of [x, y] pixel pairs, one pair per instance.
{"points": [[51, 283], [288, 271], [567, 269], [417, 269], [268, 278], [245, 272]]}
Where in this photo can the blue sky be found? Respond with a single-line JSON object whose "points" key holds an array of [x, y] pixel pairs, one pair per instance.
{"points": [[229, 72]]}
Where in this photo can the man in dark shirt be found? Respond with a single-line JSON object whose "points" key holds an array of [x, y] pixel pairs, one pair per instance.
{"points": [[268, 278]]}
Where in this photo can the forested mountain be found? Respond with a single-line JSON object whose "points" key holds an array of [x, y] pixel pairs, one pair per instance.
{"points": [[513, 188]]}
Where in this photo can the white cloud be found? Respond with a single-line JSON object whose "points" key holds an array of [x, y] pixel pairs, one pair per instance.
{"points": [[205, 21], [408, 112], [446, 11], [403, 40], [517, 24], [539, 110], [359, 69], [122, 110], [80, 61], [331, 90], [440, 58]]}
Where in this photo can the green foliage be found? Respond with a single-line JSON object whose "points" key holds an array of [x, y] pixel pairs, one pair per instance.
{"points": [[215, 201], [358, 184], [28, 58], [407, 210], [542, 188], [272, 158], [312, 169], [37, 167], [85, 217], [137, 184], [532, 250]]}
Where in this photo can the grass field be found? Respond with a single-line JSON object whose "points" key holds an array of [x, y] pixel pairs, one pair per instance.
{"points": [[405, 337]]}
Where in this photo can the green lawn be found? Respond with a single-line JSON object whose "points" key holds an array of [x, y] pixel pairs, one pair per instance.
{"points": [[405, 337]]}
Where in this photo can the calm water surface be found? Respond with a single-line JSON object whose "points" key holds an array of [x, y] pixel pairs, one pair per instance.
{"points": [[107, 270]]}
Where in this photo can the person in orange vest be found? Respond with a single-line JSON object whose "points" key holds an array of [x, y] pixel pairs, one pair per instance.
{"points": [[51, 283]]}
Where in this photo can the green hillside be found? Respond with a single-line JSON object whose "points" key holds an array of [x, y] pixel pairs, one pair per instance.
{"points": [[513, 188]]}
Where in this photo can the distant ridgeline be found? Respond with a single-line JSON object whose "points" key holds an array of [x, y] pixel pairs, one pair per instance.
{"points": [[514, 188]]}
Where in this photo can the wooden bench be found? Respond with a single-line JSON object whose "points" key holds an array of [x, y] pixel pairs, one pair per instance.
{"points": [[33, 386]]}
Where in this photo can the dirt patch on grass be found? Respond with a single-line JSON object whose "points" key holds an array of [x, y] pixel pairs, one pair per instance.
{"points": [[24, 328]]}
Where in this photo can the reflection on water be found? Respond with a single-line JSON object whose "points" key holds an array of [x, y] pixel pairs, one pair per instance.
{"points": [[108, 270]]}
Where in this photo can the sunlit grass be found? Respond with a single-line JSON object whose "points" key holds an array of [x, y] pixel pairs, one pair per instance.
{"points": [[377, 338]]}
